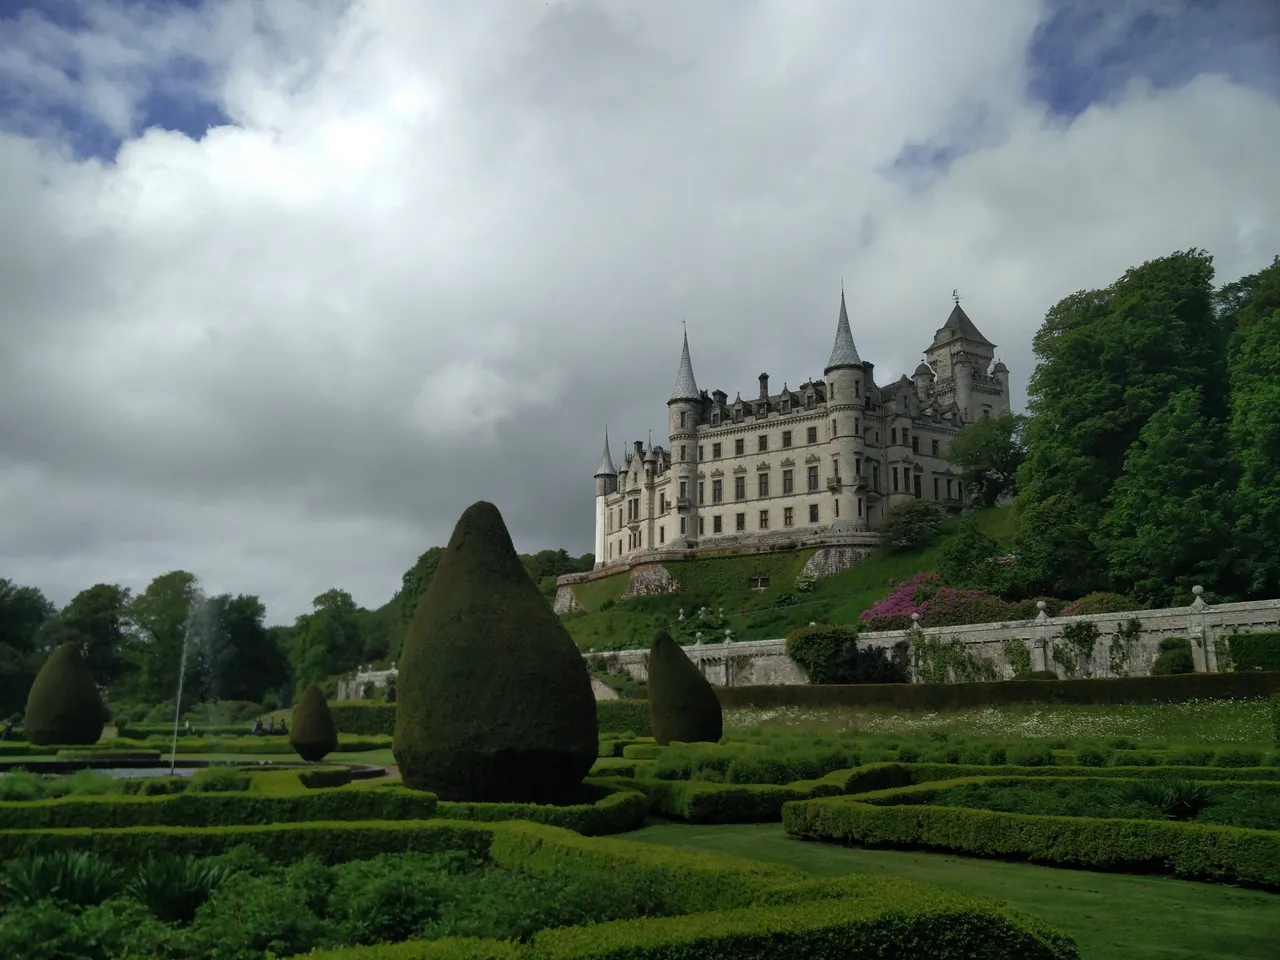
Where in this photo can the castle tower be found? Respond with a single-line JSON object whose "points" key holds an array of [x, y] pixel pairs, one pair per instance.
{"points": [[683, 410], [961, 357], [606, 483], [843, 373]]}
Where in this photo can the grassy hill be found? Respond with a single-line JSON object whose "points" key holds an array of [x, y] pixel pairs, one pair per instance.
{"points": [[614, 624]]}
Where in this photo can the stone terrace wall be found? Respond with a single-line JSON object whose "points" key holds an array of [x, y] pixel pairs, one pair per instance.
{"points": [[1208, 627]]}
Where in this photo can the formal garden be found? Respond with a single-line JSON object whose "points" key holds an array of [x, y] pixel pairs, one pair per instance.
{"points": [[496, 810]]}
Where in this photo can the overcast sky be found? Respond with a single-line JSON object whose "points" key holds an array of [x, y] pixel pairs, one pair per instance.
{"points": [[285, 285]]}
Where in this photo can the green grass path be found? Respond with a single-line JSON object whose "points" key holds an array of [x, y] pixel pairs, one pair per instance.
{"points": [[1111, 916]]}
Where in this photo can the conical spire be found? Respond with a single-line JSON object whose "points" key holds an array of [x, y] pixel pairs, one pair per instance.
{"points": [[843, 352], [686, 387], [606, 468]]}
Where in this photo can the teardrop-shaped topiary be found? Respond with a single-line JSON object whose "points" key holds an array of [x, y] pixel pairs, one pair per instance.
{"points": [[683, 705], [64, 705], [312, 732], [493, 699]]}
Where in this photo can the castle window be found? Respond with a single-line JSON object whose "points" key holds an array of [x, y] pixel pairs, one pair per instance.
{"points": [[877, 438], [904, 436], [740, 522], [857, 466], [813, 513], [894, 472], [857, 427], [662, 503], [684, 489], [684, 420], [684, 525], [933, 445], [701, 526], [859, 506], [739, 488], [808, 400], [701, 491], [716, 524], [786, 438], [717, 491], [857, 387], [786, 405], [949, 488], [916, 478], [762, 409], [813, 479], [737, 414], [986, 413], [764, 519], [715, 418], [762, 443], [935, 489], [715, 451], [700, 458], [662, 535], [788, 482], [833, 427], [788, 516], [812, 435], [915, 444], [893, 436], [875, 477], [739, 447], [762, 481], [831, 390]]}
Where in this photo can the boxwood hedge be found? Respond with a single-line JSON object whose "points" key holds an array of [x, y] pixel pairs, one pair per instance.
{"points": [[737, 909]]}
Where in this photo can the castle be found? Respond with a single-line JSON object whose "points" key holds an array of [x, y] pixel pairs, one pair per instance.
{"points": [[818, 464]]}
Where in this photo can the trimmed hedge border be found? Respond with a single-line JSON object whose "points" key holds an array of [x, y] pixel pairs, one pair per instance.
{"points": [[887, 776], [306, 795], [1275, 717], [697, 801], [950, 696], [624, 716], [240, 746], [1188, 850], [364, 719], [737, 909]]}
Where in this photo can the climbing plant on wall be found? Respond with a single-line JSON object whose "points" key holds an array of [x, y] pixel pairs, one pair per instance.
{"points": [[1075, 652], [950, 660], [1018, 656], [1121, 646]]}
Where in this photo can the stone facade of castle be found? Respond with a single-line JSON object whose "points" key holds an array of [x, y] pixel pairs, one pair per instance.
{"points": [[821, 462]]}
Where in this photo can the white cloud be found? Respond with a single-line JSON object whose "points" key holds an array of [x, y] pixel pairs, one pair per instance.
{"points": [[438, 247]]}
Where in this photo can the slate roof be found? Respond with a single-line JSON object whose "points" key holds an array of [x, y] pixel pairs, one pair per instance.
{"points": [[960, 327], [606, 468], [686, 387], [843, 351]]}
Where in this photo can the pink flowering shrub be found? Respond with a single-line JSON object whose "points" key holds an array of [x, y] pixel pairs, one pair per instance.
{"points": [[1099, 603], [938, 605]]}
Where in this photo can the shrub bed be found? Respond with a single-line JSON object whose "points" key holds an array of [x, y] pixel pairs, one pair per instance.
{"points": [[699, 802], [1188, 850], [730, 908], [950, 696], [608, 806]]}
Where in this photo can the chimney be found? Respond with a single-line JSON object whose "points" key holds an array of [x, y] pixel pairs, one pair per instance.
{"points": [[639, 448], [764, 386]]}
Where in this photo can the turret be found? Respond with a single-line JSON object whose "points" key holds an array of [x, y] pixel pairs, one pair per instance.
{"points": [[923, 378], [683, 410], [844, 372], [606, 483]]}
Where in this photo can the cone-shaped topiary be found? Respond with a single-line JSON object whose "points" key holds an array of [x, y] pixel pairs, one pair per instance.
{"points": [[682, 704], [64, 705], [493, 700], [312, 732]]}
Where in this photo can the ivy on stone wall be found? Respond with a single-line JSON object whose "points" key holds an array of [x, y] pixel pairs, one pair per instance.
{"points": [[1018, 656], [714, 577], [1121, 646], [1075, 652], [948, 660]]}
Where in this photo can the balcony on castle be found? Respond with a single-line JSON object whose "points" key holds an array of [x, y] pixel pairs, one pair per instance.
{"points": [[833, 484], [683, 503]]}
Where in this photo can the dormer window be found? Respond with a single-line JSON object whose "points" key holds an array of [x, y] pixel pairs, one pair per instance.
{"points": [[737, 414], [761, 410], [715, 418], [786, 405], [808, 401]]}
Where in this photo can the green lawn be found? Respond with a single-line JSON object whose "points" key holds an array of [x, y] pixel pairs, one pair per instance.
{"points": [[754, 615], [1205, 723], [1111, 916]]}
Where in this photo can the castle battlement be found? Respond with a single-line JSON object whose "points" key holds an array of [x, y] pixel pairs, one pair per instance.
{"points": [[823, 461]]}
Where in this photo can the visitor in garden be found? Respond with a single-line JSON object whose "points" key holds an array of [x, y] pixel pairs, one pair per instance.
{"points": [[7, 733], [257, 727], [271, 725]]}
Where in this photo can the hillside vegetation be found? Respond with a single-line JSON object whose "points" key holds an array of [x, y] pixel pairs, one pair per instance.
{"points": [[614, 624]]}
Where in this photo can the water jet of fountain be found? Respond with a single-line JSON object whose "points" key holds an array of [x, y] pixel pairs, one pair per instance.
{"points": [[197, 610]]}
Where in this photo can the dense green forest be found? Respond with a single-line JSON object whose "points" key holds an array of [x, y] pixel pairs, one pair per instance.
{"points": [[1146, 463]]}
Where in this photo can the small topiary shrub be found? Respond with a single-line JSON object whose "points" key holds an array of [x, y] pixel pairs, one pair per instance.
{"points": [[64, 705], [494, 700], [312, 733], [1030, 755], [1237, 757], [1174, 657], [682, 704]]}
